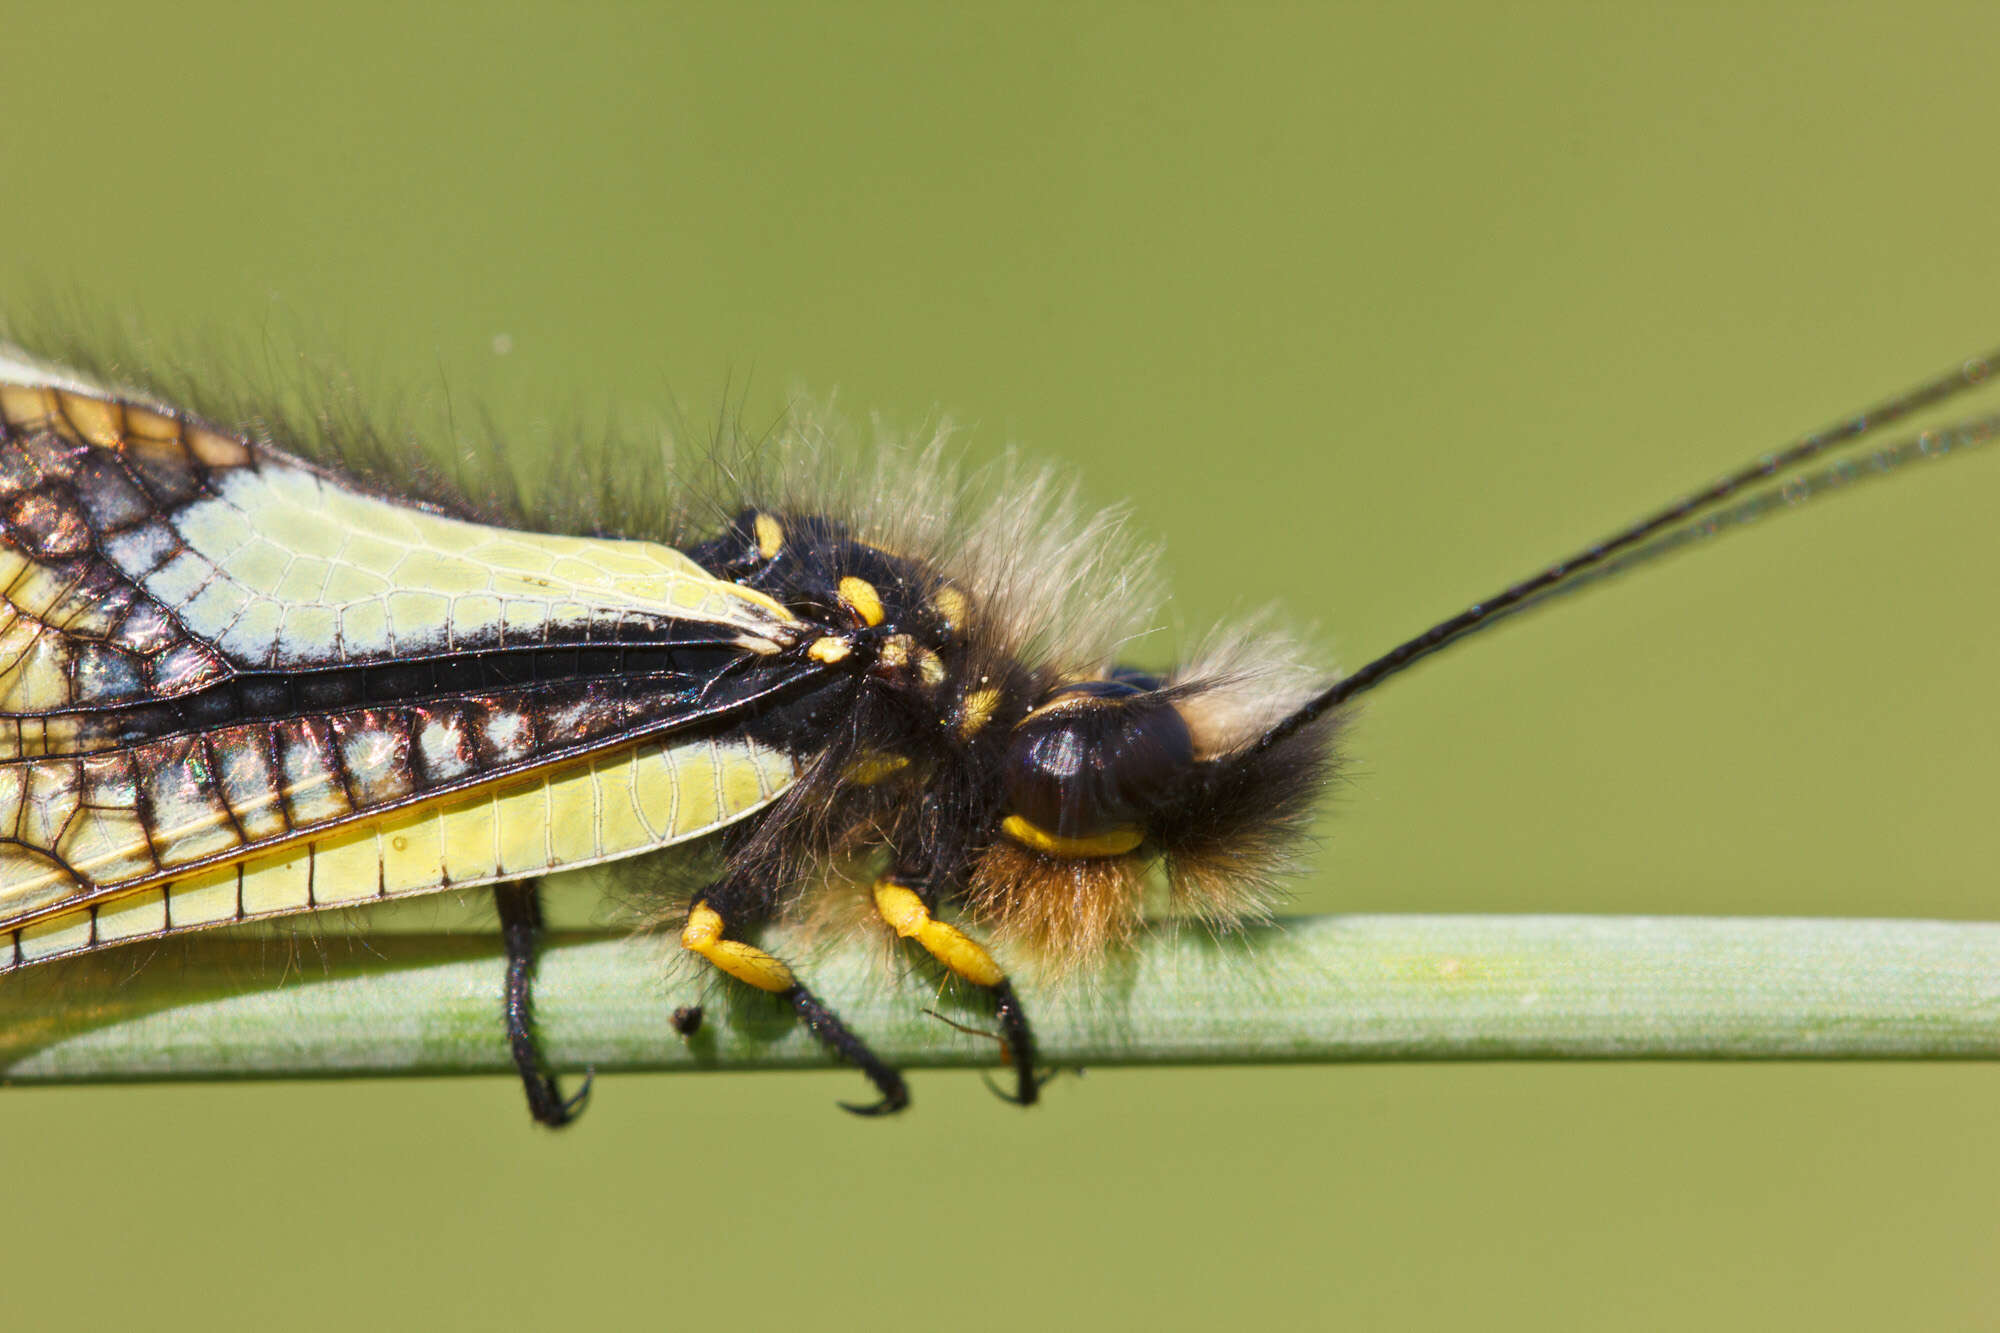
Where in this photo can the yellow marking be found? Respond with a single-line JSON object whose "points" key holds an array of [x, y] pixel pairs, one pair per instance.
{"points": [[619, 781], [39, 678], [669, 794], [900, 651], [55, 419], [1117, 842], [187, 822], [202, 900], [36, 589], [697, 795], [575, 815], [745, 962], [177, 583], [133, 918], [353, 588], [100, 422], [53, 797], [828, 650], [146, 424], [313, 795], [1069, 703], [276, 884], [575, 799], [216, 449], [859, 596], [908, 917], [413, 852], [738, 782], [166, 451], [34, 879], [873, 768], [688, 596], [278, 542], [521, 620], [81, 612], [365, 622], [105, 845], [521, 827], [47, 939], [298, 590], [24, 405], [976, 711], [950, 604], [468, 837], [346, 870], [379, 557], [416, 616], [776, 609], [770, 536]]}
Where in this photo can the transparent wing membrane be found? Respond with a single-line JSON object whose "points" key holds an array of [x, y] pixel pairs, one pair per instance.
{"points": [[609, 805], [235, 685]]}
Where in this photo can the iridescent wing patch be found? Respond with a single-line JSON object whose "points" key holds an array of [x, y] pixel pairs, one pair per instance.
{"points": [[236, 685]]}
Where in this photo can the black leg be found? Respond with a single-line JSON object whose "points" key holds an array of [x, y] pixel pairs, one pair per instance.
{"points": [[1014, 1035], [704, 934], [520, 906], [1020, 1040], [908, 912], [823, 1023]]}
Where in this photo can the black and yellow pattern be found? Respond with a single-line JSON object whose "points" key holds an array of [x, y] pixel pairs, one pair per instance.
{"points": [[232, 686], [235, 684]]}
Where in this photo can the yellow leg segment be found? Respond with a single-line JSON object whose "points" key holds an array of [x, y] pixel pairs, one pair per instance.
{"points": [[907, 916], [745, 962]]}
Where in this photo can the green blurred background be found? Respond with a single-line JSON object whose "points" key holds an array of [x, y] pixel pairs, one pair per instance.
{"points": [[1365, 310]]}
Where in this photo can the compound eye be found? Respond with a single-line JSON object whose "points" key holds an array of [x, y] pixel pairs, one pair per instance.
{"points": [[1091, 765]]}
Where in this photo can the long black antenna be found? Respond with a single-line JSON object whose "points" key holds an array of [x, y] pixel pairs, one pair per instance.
{"points": [[1966, 376]]}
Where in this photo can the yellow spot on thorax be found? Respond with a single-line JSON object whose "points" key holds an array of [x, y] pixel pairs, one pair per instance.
{"points": [[950, 604], [976, 711], [770, 536], [828, 650], [900, 651], [859, 596], [870, 769]]}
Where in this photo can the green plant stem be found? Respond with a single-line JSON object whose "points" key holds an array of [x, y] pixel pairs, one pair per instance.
{"points": [[1309, 989]]}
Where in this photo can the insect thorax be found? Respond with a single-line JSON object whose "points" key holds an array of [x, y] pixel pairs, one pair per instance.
{"points": [[1039, 799]]}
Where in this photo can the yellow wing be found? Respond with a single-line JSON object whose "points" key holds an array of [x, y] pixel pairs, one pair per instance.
{"points": [[235, 685]]}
